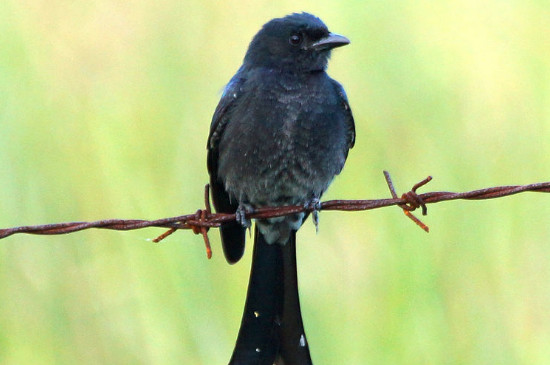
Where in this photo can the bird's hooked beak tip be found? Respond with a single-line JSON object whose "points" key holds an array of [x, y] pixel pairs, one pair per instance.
{"points": [[331, 41]]}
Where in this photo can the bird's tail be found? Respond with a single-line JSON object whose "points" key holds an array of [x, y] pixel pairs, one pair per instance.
{"points": [[272, 330]]}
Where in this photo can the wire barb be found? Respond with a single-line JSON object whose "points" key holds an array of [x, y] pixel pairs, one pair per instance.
{"points": [[197, 225], [201, 221], [411, 200], [164, 235]]}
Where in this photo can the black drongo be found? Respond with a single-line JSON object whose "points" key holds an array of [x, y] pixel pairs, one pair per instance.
{"points": [[280, 133]]}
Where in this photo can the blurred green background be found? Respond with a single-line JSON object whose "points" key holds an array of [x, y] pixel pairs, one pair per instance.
{"points": [[105, 108]]}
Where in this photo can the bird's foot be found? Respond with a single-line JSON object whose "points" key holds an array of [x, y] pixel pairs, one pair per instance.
{"points": [[240, 215], [314, 205]]}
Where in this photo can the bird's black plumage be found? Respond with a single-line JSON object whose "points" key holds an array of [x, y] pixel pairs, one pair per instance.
{"points": [[280, 133]]}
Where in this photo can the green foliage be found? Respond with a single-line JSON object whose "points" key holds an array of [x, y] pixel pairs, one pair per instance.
{"points": [[104, 112]]}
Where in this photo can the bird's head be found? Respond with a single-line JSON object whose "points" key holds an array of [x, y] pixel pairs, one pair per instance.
{"points": [[295, 43]]}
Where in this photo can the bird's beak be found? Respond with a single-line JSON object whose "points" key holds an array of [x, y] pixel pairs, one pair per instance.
{"points": [[329, 42]]}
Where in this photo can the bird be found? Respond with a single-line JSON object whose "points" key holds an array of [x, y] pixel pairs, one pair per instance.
{"points": [[279, 135]]}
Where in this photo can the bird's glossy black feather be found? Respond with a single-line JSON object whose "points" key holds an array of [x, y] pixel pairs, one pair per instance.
{"points": [[232, 233], [281, 132]]}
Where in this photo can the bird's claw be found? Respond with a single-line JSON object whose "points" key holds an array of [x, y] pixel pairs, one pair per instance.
{"points": [[240, 216], [314, 205]]}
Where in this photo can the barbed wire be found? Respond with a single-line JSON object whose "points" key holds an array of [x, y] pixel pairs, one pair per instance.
{"points": [[202, 220]]}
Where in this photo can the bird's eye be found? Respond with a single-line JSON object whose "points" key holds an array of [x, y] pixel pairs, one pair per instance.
{"points": [[295, 39]]}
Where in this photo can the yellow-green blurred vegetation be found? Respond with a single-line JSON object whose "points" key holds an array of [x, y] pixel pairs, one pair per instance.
{"points": [[105, 108]]}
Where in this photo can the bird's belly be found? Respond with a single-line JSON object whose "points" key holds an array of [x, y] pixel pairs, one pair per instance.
{"points": [[279, 179]]}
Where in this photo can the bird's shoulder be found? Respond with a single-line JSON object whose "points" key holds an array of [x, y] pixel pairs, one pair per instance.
{"points": [[230, 94], [344, 103]]}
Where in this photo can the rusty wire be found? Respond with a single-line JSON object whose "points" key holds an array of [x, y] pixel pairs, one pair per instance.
{"points": [[204, 219]]}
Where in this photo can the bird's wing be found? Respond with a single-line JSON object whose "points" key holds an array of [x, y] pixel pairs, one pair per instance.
{"points": [[350, 123], [232, 233]]}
